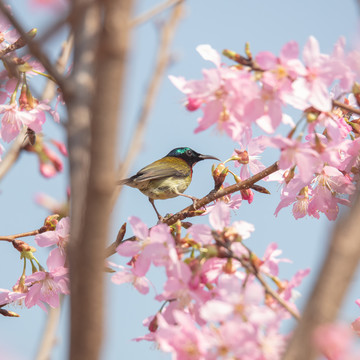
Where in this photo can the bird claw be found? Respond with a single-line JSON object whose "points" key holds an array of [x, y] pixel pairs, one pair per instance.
{"points": [[196, 203], [160, 220]]}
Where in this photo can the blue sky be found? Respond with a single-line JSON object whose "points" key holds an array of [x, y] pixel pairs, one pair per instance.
{"points": [[267, 25]]}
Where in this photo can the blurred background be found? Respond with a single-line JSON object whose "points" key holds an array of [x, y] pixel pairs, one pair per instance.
{"points": [[266, 25]]}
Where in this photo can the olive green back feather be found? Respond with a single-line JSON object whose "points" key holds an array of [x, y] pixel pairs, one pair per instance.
{"points": [[163, 168]]}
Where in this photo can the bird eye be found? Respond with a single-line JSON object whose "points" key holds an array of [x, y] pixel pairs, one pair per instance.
{"points": [[188, 152]]}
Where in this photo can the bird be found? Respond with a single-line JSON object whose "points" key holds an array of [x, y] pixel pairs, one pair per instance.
{"points": [[167, 177]]}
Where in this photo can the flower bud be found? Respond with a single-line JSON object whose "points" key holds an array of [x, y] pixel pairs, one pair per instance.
{"points": [[232, 55], [219, 174], [193, 104], [356, 92], [289, 175], [8, 313], [32, 33], [311, 114], [153, 325], [22, 246], [61, 147], [228, 267], [51, 221], [255, 261], [247, 195]]}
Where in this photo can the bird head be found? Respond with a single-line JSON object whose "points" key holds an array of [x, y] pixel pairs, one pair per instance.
{"points": [[190, 156]]}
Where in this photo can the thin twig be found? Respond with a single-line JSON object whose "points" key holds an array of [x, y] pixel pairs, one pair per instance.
{"points": [[12, 154], [161, 63], [265, 285], [153, 12], [346, 107], [110, 250], [17, 236], [63, 58], [18, 44], [48, 339]]}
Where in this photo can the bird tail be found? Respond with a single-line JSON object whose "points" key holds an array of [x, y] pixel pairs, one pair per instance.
{"points": [[123, 182]]}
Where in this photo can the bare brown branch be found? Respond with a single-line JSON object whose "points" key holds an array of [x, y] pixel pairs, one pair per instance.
{"points": [[346, 107], [48, 340], [111, 249], [153, 12], [63, 58], [12, 154], [21, 235]]}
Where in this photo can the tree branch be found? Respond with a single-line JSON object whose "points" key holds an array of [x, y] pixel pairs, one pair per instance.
{"points": [[346, 107], [34, 47], [48, 340], [101, 33], [154, 11]]}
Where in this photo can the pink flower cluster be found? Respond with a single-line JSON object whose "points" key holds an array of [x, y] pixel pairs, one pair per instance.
{"points": [[319, 165], [212, 307], [336, 342], [43, 287], [18, 107]]}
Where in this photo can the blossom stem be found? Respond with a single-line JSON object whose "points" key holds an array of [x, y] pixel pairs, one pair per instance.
{"points": [[345, 107], [253, 270], [10, 238]]}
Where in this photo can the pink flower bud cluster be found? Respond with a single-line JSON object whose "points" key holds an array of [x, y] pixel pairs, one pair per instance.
{"points": [[18, 107], [44, 287]]}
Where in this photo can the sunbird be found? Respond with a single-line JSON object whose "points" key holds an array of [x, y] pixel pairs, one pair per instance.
{"points": [[168, 177]]}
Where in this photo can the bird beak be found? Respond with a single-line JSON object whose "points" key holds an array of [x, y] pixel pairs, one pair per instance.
{"points": [[204, 157]]}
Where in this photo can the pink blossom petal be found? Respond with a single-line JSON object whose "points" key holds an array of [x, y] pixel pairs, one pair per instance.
{"points": [[201, 234], [311, 52], [220, 216], [289, 51], [139, 228], [216, 310], [210, 54], [128, 248]]}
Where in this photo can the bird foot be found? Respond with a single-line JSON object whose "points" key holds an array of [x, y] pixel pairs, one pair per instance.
{"points": [[160, 220], [196, 203], [163, 219]]}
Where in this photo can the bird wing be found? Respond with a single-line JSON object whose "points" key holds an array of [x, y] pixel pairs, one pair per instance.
{"points": [[163, 168]]}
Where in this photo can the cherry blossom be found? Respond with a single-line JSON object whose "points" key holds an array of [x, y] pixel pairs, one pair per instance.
{"points": [[58, 237], [45, 287]]}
